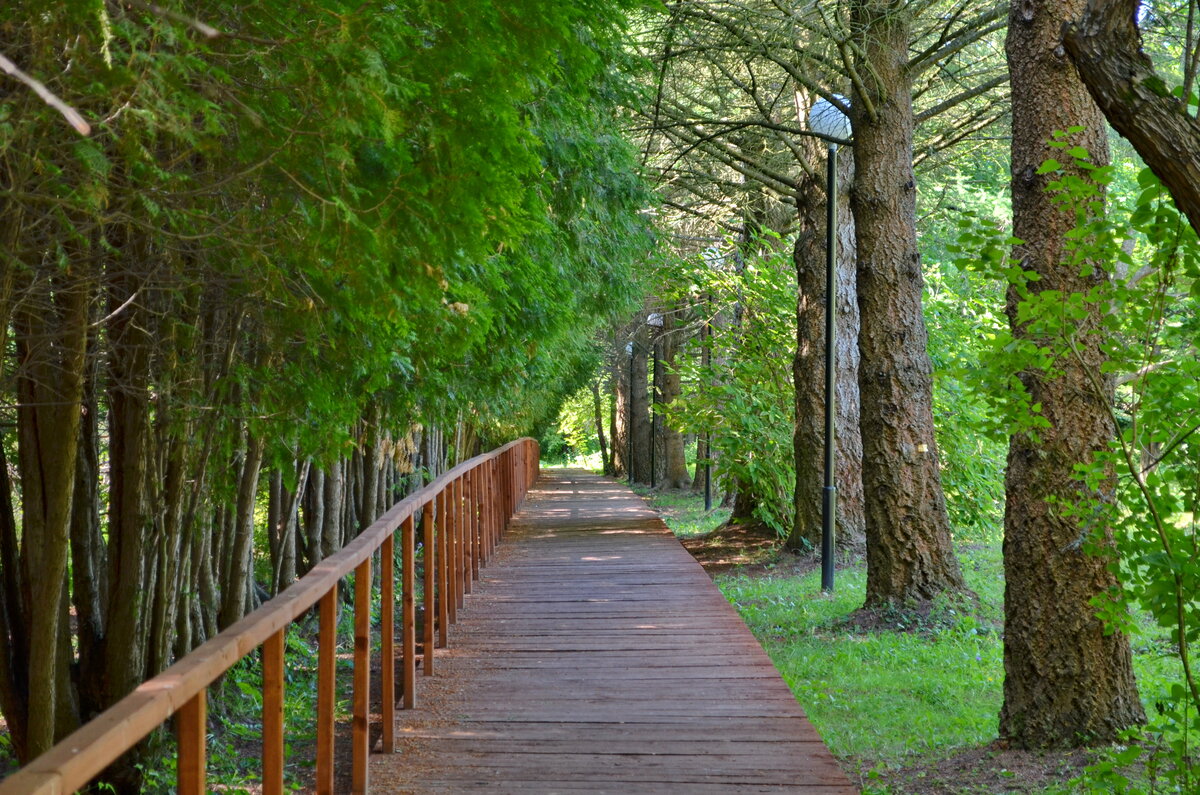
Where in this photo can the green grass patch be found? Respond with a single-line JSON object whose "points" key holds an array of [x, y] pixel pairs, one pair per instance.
{"points": [[683, 511]]}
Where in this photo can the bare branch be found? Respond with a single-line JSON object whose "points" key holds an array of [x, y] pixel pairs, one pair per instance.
{"points": [[70, 114]]}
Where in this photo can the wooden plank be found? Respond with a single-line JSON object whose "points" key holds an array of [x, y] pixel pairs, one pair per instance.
{"points": [[326, 689], [598, 656], [408, 617], [192, 737], [272, 714], [360, 730]]}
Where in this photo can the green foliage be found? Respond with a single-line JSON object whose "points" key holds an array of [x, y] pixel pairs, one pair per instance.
{"points": [[961, 308], [1148, 332], [745, 397]]}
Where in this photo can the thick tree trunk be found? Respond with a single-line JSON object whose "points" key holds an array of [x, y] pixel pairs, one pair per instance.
{"points": [[52, 330], [1107, 49], [1066, 681], [910, 556], [640, 403], [675, 472], [808, 369]]}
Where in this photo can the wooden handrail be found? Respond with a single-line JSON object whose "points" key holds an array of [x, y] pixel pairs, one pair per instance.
{"points": [[494, 486]]}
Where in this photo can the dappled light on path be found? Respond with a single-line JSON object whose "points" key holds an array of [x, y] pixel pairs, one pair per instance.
{"points": [[595, 655]]}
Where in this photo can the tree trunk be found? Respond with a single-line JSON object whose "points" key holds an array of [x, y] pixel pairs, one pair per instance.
{"points": [[598, 412], [314, 516], [640, 403], [14, 618], [52, 338], [129, 593], [88, 561], [1066, 681], [1106, 47], [331, 534], [910, 556], [621, 412], [675, 472], [235, 591], [808, 370]]}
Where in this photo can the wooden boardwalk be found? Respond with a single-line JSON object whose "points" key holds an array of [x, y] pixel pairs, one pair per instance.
{"points": [[595, 655]]}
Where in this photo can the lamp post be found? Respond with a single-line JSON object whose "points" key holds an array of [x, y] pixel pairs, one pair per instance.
{"points": [[828, 121], [655, 321], [629, 415], [706, 360]]}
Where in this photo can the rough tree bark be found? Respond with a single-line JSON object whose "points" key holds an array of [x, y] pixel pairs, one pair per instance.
{"points": [[1066, 681], [910, 556], [675, 473], [640, 404], [808, 369], [1106, 47], [52, 330]]}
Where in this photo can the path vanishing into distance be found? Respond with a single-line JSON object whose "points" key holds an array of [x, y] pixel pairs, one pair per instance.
{"points": [[595, 655]]}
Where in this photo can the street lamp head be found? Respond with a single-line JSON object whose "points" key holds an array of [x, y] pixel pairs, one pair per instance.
{"points": [[654, 319], [828, 121], [629, 348]]}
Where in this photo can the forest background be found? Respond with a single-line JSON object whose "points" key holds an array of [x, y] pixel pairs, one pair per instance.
{"points": [[268, 266]]}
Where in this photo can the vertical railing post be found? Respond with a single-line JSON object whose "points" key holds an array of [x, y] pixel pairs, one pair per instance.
{"points": [[443, 606], [272, 714], [191, 726], [430, 569], [326, 675], [460, 546], [360, 730], [408, 609], [476, 521], [446, 528], [387, 622]]}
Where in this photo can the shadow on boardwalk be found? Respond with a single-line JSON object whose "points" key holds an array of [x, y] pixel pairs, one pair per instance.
{"points": [[595, 655]]}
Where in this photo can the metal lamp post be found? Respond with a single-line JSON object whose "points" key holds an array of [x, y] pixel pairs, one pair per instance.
{"points": [[828, 121], [629, 415]]}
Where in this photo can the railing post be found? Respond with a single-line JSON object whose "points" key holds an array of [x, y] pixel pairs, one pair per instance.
{"points": [[446, 528], [476, 524], [444, 609], [460, 559], [272, 714], [326, 675], [430, 569], [408, 614], [191, 726], [360, 727], [387, 622]]}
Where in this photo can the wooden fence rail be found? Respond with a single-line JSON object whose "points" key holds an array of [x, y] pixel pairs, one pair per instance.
{"points": [[464, 514]]}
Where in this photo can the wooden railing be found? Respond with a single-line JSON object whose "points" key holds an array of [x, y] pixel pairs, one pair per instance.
{"points": [[464, 513]]}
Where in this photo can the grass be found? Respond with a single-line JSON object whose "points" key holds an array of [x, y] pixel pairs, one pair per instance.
{"points": [[888, 700]]}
